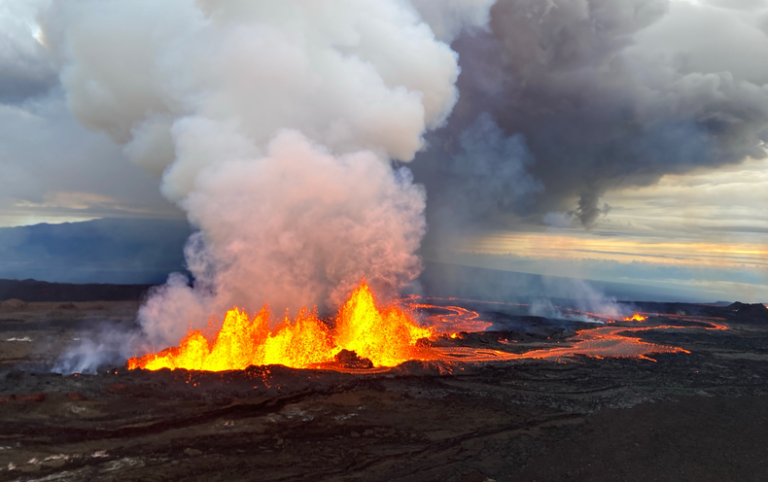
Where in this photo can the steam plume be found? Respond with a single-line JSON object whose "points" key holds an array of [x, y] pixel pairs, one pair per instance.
{"points": [[273, 124]]}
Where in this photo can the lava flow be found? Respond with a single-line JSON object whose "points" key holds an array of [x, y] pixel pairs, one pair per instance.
{"points": [[636, 317], [364, 336], [386, 337]]}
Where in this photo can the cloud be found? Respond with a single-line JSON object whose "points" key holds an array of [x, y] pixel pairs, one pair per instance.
{"points": [[558, 219], [632, 279], [566, 108], [738, 4], [611, 94], [698, 236], [53, 168], [448, 18], [100, 251], [46, 158], [279, 127], [26, 69], [484, 171]]}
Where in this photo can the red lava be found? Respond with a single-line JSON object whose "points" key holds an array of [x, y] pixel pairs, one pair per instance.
{"points": [[454, 320], [369, 339], [611, 341]]}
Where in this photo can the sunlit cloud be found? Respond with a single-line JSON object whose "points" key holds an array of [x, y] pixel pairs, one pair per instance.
{"points": [[704, 234], [67, 207], [54, 170], [554, 246]]}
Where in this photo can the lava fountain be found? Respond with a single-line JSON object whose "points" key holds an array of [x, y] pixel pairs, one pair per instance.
{"points": [[386, 336], [366, 336], [636, 317]]}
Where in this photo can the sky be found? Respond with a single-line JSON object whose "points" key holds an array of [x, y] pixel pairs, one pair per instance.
{"points": [[612, 140], [53, 169], [699, 236]]}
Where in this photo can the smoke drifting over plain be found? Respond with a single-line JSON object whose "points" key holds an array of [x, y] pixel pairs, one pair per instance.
{"points": [[605, 94], [273, 124]]}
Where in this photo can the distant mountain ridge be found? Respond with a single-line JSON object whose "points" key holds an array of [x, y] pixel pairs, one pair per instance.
{"points": [[30, 290], [438, 279], [110, 250], [144, 251], [444, 279]]}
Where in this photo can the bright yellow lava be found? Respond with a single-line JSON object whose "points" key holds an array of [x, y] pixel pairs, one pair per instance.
{"points": [[636, 317], [386, 336]]}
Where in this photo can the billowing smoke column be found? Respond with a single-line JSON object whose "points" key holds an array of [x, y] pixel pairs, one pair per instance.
{"points": [[273, 124], [599, 95]]}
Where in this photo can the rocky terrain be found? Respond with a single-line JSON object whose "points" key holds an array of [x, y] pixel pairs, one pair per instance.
{"points": [[701, 416]]}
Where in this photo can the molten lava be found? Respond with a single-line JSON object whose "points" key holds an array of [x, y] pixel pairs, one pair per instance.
{"points": [[386, 337], [364, 336], [636, 317]]}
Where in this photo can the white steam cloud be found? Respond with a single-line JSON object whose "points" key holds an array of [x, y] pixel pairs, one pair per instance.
{"points": [[273, 124], [448, 18], [586, 299]]}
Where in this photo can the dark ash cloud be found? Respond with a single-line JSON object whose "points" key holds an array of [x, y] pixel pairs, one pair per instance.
{"points": [[480, 171], [26, 67], [607, 94], [22, 74]]}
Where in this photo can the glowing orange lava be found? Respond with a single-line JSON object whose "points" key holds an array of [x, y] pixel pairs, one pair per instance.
{"points": [[451, 319], [636, 317], [387, 337]]}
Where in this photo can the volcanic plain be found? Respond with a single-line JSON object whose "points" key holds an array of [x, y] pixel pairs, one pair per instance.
{"points": [[698, 413]]}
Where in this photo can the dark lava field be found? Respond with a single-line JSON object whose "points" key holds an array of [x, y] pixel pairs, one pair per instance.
{"points": [[698, 416]]}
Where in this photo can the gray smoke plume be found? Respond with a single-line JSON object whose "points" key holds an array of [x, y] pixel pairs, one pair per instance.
{"points": [[484, 172], [274, 125], [592, 304], [609, 94]]}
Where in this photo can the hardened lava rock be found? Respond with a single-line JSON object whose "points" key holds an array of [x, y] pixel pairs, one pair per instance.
{"points": [[349, 359]]}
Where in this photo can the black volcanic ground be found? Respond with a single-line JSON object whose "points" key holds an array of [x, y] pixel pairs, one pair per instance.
{"points": [[701, 416]]}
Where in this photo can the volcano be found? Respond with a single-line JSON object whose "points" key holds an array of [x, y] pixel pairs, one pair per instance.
{"points": [[376, 337], [483, 391]]}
